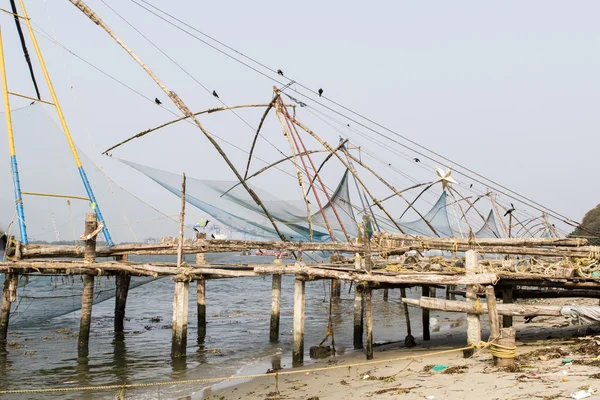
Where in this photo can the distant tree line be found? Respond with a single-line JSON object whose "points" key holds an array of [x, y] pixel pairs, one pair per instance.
{"points": [[591, 227]]}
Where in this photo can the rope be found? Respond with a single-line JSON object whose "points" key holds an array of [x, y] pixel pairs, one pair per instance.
{"points": [[500, 351], [230, 378]]}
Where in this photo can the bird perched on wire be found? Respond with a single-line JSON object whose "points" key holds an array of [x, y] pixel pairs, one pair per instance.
{"points": [[212, 235], [416, 160], [157, 101], [470, 186], [279, 72], [510, 211], [320, 92], [215, 94]]}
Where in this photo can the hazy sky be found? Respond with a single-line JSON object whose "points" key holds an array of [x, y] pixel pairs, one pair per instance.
{"points": [[509, 89]]}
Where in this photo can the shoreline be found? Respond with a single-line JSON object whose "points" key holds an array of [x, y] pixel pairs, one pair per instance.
{"points": [[387, 376]]}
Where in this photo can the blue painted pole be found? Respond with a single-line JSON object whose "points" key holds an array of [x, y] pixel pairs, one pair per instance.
{"points": [[19, 199], [95, 207]]}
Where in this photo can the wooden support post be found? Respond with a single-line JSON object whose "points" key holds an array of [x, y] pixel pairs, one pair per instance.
{"points": [[385, 294], [87, 297], [425, 314], [275, 308], [336, 288], [490, 296], [298, 327], [180, 319], [201, 308], [9, 295], [358, 316], [369, 321], [182, 290], [122, 283], [507, 339], [473, 321], [507, 298], [409, 340], [201, 294]]}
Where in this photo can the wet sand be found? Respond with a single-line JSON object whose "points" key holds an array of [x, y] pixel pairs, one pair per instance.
{"points": [[540, 375]]}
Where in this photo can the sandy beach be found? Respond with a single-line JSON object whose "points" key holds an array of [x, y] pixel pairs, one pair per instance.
{"points": [[555, 359]]}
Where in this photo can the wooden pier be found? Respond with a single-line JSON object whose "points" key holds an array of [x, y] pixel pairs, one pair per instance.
{"points": [[382, 262]]}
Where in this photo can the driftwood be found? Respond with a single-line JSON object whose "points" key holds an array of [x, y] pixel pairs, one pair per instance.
{"points": [[481, 308]]}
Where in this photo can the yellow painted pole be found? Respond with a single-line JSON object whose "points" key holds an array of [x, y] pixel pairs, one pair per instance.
{"points": [[11, 147], [61, 116], [63, 122]]}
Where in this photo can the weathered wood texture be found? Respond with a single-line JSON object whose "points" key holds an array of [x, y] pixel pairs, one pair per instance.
{"points": [[425, 314], [89, 250], [123, 281], [190, 246], [358, 316], [507, 298], [507, 339], [513, 242], [472, 308], [473, 321], [9, 295], [87, 297], [369, 322], [298, 325], [87, 300], [180, 319], [275, 308], [410, 278], [490, 296], [201, 308]]}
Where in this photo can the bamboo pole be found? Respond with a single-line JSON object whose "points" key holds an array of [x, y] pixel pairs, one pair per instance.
{"points": [[87, 11], [260, 124], [298, 326], [208, 111], [350, 168], [288, 135]]}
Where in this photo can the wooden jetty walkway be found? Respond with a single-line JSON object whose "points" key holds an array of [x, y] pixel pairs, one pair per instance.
{"points": [[381, 262]]}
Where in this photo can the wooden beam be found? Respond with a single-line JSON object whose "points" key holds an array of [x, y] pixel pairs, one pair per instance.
{"points": [[469, 307], [402, 279], [358, 316]]}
